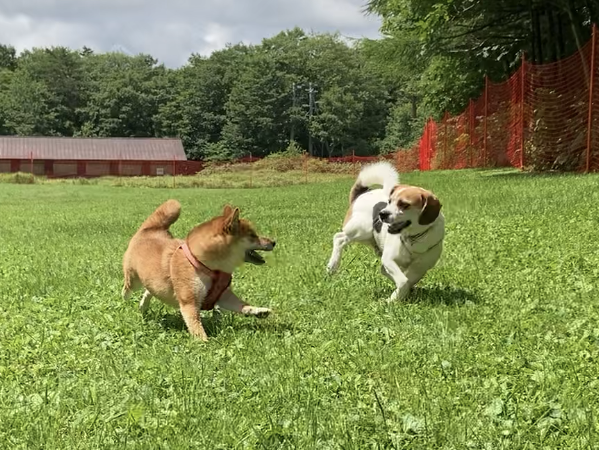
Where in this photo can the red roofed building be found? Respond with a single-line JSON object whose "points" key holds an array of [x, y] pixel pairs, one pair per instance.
{"points": [[93, 157]]}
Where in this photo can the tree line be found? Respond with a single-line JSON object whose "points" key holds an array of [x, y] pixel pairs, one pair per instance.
{"points": [[316, 92]]}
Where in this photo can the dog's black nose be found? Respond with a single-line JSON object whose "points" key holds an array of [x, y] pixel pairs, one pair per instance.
{"points": [[273, 244], [384, 215]]}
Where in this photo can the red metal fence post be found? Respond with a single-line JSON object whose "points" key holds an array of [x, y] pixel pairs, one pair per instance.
{"points": [[591, 93], [425, 145], [471, 129], [522, 93], [486, 113], [432, 142], [422, 148], [445, 139], [429, 143]]}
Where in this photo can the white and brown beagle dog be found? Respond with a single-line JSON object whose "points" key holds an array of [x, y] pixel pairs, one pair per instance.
{"points": [[403, 224]]}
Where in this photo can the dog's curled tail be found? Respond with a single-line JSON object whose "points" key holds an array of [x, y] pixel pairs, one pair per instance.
{"points": [[163, 217], [381, 172]]}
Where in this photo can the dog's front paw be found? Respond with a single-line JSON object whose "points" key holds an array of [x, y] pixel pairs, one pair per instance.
{"points": [[260, 313], [332, 267], [399, 294]]}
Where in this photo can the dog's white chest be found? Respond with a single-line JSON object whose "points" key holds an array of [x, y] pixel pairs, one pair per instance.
{"points": [[403, 256]]}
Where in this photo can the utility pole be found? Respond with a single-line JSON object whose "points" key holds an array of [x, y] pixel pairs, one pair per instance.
{"points": [[311, 92], [292, 133]]}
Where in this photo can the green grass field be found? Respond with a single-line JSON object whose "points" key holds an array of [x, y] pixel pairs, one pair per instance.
{"points": [[498, 347], [240, 179]]}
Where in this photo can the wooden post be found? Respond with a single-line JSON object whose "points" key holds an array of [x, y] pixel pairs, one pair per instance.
{"points": [[522, 92], [353, 160], [486, 113], [251, 171], [31, 163], [591, 93], [174, 172], [305, 167]]}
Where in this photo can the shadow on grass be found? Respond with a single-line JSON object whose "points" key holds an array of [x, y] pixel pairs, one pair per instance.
{"points": [[435, 295], [214, 321], [439, 295]]}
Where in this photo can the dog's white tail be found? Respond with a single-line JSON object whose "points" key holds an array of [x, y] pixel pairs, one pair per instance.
{"points": [[381, 172]]}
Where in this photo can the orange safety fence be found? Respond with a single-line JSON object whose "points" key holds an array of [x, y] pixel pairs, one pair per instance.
{"points": [[545, 117]]}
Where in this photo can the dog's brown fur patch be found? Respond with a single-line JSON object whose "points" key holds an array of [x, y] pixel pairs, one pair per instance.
{"points": [[416, 197]]}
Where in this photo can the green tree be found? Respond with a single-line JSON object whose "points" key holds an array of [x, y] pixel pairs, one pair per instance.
{"points": [[125, 95], [8, 57], [197, 110], [60, 71], [27, 107], [258, 107]]}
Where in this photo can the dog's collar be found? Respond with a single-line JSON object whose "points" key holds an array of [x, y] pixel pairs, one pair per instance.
{"points": [[415, 237], [396, 228], [220, 280], [427, 250]]}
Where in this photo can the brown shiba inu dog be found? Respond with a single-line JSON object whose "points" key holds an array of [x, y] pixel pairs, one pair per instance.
{"points": [[194, 273]]}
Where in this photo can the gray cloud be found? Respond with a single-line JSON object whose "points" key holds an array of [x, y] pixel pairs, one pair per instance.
{"points": [[172, 30]]}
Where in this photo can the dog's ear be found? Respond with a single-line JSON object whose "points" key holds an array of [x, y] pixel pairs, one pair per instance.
{"points": [[231, 216], [430, 209]]}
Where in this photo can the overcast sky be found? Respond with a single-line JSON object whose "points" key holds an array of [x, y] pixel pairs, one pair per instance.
{"points": [[172, 30]]}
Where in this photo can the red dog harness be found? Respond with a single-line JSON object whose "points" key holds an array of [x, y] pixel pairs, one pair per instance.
{"points": [[220, 280]]}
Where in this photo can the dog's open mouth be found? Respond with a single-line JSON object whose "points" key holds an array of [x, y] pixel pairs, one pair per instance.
{"points": [[253, 257]]}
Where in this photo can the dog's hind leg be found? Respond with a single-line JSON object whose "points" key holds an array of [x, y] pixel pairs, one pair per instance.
{"points": [[144, 303], [353, 230], [126, 292], [127, 288], [130, 284], [340, 240]]}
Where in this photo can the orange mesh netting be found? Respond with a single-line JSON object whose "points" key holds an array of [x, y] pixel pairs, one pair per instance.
{"points": [[545, 116]]}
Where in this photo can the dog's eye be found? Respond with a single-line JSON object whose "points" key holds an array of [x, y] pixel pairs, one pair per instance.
{"points": [[403, 205]]}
